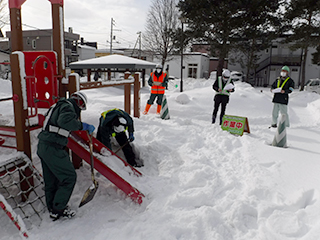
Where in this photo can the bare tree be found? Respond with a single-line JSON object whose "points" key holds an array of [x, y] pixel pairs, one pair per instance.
{"points": [[162, 22], [4, 15]]}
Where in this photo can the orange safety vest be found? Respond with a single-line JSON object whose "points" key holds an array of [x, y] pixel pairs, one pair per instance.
{"points": [[158, 89]]}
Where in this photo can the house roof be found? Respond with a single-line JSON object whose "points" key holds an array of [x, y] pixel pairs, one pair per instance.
{"points": [[112, 61]]}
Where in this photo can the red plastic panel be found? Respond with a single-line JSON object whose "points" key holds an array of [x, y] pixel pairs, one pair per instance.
{"points": [[16, 3], [41, 78]]}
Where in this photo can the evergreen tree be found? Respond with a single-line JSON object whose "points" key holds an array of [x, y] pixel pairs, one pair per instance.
{"points": [[260, 25], [316, 56], [302, 20], [240, 25], [214, 22]]}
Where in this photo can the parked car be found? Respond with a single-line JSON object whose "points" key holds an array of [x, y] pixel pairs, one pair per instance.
{"points": [[313, 86], [236, 76], [172, 78]]}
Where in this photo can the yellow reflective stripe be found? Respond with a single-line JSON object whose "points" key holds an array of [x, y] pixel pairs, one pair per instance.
{"points": [[114, 134], [105, 113], [222, 88], [278, 85]]}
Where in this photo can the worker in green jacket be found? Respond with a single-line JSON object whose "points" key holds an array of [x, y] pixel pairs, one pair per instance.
{"points": [[58, 172], [281, 87]]}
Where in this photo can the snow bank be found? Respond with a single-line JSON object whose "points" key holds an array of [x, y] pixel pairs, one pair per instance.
{"points": [[201, 182]]}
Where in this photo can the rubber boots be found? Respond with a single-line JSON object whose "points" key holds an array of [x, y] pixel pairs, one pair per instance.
{"points": [[158, 109], [213, 119], [146, 110]]}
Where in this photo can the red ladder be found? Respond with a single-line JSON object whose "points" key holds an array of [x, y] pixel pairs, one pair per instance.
{"points": [[77, 148]]}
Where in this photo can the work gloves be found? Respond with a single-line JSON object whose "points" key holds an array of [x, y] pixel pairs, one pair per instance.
{"points": [[131, 137], [88, 127]]}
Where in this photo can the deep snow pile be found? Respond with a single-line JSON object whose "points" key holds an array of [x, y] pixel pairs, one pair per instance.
{"points": [[201, 182]]}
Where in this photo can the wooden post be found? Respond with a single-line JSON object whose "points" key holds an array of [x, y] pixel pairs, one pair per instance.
{"points": [[19, 89], [109, 74], [89, 75], [58, 40], [127, 93], [73, 87], [20, 107], [143, 76], [136, 96]]}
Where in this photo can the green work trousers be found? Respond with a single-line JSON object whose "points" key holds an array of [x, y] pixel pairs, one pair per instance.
{"points": [[153, 97], [58, 173], [283, 109]]}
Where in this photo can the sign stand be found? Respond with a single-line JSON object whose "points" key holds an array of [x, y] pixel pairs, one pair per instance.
{"points": [[235, 124]]}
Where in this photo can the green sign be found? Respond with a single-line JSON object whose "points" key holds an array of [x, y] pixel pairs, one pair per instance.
{"points": [[235, 124]]}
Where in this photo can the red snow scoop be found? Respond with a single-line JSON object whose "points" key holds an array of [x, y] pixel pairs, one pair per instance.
{"points": [[1, 141], [91, 191]]}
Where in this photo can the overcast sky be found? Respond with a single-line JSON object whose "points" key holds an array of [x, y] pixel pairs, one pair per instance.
{"points": [[91, 19]]}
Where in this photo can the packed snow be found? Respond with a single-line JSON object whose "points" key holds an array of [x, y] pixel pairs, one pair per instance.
{"points": [[199, 182]]}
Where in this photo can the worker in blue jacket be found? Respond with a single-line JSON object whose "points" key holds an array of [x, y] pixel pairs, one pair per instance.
{"points": [[115, 123]]}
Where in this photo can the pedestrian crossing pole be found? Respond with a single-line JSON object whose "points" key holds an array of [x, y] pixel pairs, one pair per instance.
{"points": [[280, 139], [164, 114]]}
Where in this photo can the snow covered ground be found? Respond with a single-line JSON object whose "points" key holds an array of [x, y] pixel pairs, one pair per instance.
{"points": [[200, 183]]}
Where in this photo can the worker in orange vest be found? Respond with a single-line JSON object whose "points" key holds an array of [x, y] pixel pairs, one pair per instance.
{"points": [[158, 81]]}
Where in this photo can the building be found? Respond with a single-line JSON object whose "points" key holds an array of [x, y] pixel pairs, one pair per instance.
{"points": [[270, 62], [86, 52], [196, 65], [272, 59], [5, 64], [41, 40], [214, 61]]}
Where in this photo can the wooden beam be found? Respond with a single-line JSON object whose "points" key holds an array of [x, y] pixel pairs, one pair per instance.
{"points": [[127, 94], [58, 42], [136, 96]]}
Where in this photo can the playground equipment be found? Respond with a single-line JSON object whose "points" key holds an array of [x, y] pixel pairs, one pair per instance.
{"points": [[75, 144], [38, 81], [14, 173]]}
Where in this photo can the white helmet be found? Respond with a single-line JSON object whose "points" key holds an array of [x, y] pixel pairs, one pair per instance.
{"points": [[158, 66], [226, 73], [81, 99]]}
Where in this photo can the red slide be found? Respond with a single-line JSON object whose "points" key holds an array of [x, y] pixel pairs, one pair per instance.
{"points": [[83, 153]]}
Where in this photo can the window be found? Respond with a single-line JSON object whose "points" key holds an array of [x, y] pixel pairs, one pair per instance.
{"points": [[192, 70], [315, 83], [34, 45]]}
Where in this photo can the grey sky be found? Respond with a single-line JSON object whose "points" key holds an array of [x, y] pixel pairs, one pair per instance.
{"points": [[91, 19]]}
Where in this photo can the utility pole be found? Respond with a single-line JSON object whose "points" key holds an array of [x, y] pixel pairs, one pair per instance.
{"points": [[139, 54], [139, 51], [111, 35]]}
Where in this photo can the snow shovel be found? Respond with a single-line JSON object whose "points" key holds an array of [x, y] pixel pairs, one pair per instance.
{"points": [[91, 191], [121, 147]]}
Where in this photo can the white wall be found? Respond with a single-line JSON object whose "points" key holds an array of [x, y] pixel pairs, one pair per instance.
{"points": [[202, 61], [86, 52]]}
